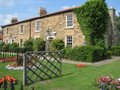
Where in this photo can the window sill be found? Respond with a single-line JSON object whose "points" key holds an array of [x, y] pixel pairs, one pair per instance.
{"points": [[69, 27], [20, 33], [37, 31]]}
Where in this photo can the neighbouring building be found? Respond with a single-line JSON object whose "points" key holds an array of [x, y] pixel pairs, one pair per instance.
{"points": [[1, 34], [63, 23]]}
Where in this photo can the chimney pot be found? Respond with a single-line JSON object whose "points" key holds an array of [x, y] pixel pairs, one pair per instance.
{"points": [[14, 20], [42, 11]]}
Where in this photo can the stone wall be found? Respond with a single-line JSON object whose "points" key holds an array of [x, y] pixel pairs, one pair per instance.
{"points": [[55, 23], [14, 32]]}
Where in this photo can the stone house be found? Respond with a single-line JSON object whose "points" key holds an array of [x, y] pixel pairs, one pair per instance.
{"points": [[1, 34], [62, 25]]}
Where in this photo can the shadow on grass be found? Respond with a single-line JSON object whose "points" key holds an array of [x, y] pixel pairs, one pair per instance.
{"points": [[49, 78]]}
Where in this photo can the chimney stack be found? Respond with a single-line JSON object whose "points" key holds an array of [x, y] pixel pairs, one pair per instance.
{"points": [[112, 14], [42, 11], [14, 20]]}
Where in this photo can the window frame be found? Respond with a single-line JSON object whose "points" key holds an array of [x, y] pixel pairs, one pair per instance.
{"points": [[20, 29], [72, 20], [36, 26], [6, 31], [66, 41], [21, 44]]}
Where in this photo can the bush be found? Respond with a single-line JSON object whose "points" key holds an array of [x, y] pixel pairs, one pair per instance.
{"points": [[29, 44], [57, 44], [13, 46], [86, 53], [115, 50], [39, 44], [1, 45], [6, 47]]}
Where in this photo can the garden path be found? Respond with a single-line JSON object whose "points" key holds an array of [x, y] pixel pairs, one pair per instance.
{"points": [[107, 61]]}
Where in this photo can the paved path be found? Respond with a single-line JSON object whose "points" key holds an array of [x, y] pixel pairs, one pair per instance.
{"points": [[107, 61]]}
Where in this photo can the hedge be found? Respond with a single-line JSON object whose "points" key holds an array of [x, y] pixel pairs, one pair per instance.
{"points": [[85, 53], [115, 50]]}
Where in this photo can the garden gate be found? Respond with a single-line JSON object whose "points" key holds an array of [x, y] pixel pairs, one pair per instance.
{"points": [[41, 66]]}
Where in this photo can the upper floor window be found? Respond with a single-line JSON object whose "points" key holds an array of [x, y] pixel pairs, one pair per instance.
{"points": [[21, 29], [37, 26], [69, 41], [6, 32], [69, 20]]}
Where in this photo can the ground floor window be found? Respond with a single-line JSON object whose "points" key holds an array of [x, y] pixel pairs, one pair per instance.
{"points": [[69, 41], [21, 43]]}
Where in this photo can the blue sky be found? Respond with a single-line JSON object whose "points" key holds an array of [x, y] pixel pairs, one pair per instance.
{"points": [[24, 9]]}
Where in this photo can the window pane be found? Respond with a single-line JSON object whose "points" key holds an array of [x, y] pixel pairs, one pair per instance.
{"points": [[37, 25], [69, 41], [69, 20], [21, 28]]}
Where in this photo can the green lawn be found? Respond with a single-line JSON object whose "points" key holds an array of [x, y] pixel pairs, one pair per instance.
{"points": [[72, 78]]}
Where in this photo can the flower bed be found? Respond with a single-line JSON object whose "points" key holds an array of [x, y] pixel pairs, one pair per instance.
{"points": [[81, 65], [108, 83], [18, 67], [10, 67], [12, 59], [7, 82]]}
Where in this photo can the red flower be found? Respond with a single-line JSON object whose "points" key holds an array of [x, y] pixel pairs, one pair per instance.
{"points": [[81, 65], [7, 78]]}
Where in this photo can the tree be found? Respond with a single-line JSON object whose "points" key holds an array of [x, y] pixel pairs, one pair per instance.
{"points": [[93, 19]]}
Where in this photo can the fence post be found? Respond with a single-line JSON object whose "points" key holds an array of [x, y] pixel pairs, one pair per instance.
{"points": [[24, 70]]}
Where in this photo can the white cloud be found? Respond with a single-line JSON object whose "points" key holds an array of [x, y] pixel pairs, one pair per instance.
{"points": [[67, 7], [6, 19], [7, 2]]}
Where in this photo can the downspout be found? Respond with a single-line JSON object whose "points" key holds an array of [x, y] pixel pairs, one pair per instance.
{"points": [[30, 31]]}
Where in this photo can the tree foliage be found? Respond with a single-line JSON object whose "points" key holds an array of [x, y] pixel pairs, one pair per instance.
{"points": [[93, 19]]}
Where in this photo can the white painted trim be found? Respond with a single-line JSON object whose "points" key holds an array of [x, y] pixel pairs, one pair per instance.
{"points": [[66, 40], [72, 20], [6, 31], [20, 29], [36, 26]]}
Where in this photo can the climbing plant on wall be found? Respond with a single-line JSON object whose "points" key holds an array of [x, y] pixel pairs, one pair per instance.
{"points": [[93, 19]]}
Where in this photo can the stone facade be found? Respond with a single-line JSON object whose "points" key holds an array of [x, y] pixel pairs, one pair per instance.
{"points": [[54, 22], [112, 35]]}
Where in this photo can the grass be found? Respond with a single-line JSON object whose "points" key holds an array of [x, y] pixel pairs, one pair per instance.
{"points": [[72, 78]]}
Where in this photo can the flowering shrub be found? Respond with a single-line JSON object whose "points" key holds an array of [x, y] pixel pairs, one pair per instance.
{"points": [[7, 81], [108, 83]]}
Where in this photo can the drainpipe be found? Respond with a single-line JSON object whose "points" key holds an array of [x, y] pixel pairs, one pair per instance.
{"points": [[30, 31]]}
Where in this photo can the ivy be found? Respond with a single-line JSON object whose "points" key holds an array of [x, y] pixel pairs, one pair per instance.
{"points": [[93, 20]]}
